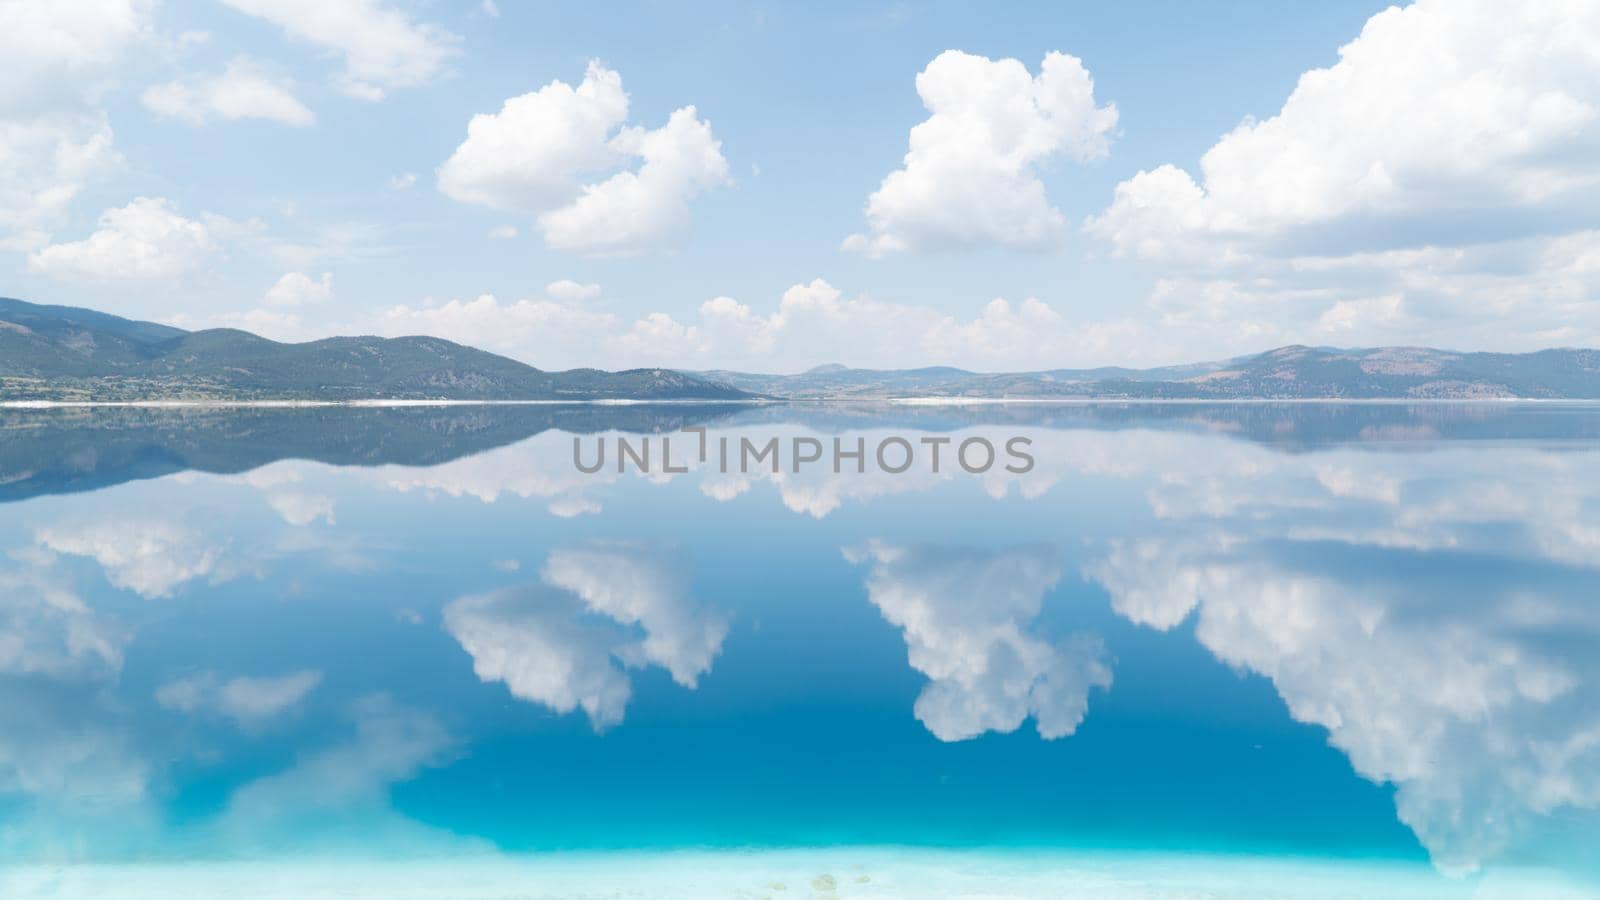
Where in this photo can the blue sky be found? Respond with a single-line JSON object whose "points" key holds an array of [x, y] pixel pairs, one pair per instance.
{"points": [[303, 169]]}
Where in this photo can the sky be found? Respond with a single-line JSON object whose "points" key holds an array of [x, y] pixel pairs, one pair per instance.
{"points": [[773, 186]]}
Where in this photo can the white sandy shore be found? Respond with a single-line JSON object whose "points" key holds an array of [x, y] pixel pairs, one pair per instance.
{"points": [[856, 872], [320, 404], [755, 401], [1204, 401]]}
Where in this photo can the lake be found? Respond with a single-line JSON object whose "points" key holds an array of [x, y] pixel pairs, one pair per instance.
{"points": [[1257, 649]]}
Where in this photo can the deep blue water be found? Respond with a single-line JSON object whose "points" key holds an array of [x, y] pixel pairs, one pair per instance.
{"points": [[1353, 634]]}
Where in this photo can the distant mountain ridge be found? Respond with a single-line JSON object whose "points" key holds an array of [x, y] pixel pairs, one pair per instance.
{"points": [[1287, 373], [66, 353]]}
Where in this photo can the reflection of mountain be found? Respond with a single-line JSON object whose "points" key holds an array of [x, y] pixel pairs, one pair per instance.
{"points": [[1286, 426], [68, 450]]}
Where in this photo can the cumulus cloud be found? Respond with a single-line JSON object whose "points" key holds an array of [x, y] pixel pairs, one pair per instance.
{"points": [[971, 177], [534, 640], [967, 617], [381, 46], [44, 164], [568, 291], [1430, 185], [47, 629], [539, 153], [537, 468], [567, 643], [1469, 715], [54, 138], [246, 700], [59, 52], [301, 508], [66, 751], [150, 557], [1436, 111], [147, 239], [340, 790], [641, 586], [554, 331], [813, 323], [296, 289], [241, 91], [1465, 684]]}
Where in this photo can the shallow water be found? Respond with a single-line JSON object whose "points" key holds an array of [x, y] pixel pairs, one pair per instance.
{"points": [[1299, 649]]}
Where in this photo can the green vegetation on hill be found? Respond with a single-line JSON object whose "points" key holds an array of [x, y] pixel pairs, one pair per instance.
{"points": [[61, 353]]}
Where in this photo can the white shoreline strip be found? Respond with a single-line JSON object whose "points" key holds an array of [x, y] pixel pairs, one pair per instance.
{"points": [[780, 401], [1236, 401], [843, 872], [361, 404]]}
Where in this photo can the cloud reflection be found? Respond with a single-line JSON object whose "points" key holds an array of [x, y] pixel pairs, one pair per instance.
{"points": [[968, 621], [1441, 627], [567, 643]]}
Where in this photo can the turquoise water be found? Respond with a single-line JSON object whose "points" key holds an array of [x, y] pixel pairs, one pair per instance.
{"points": [[1247, 649]]}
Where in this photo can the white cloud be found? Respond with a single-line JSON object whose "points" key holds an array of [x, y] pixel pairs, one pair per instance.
{"points": [[1470, 716], [813, 323], [1467, 686], [640, 586], [529, 155], [1438, 110], [272, 324], [568, 291], [300, 508], [58, 52], [546, 332], [147, 239], [246, 700], [503, 232], [971, 176], [339, 795], [381, 46], [1432, 186], [63, 750], [539, 151], [567, 643], [967, 617], [634, 212], [150, 557], [46, 629], [405, 181], [537, 468], [297, 289], [241, 91], [535, 641], [54, 138], [44, 164]]}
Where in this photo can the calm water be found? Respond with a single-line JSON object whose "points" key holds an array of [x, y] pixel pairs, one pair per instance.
{"points": [[416, 652]]}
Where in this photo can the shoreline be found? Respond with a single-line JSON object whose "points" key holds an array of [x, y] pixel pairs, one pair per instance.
{"points": [[846, 871], [379, 403]]}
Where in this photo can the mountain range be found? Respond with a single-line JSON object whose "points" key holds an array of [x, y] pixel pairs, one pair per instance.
{"points": [[1287, 373], [67, 353]]}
